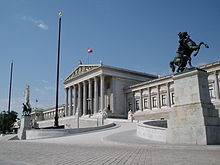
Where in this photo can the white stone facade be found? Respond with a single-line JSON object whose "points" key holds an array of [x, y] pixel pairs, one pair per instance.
{"points": [[92, 89], [154, 99]]}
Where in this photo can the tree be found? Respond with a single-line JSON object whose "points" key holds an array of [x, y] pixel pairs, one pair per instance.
{"points": [[7, 120]]}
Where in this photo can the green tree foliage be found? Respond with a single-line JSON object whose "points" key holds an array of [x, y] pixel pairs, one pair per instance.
{"points": [[7, 120]]}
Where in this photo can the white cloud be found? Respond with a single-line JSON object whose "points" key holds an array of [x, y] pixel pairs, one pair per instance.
{"points": [[43, 26], [39, 23]]}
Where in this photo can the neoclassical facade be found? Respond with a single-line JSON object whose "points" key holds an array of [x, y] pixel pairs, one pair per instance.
{"points": [[154, 99], [92, 89]]}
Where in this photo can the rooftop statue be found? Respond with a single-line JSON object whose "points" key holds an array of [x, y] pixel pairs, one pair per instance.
{"points": [[184, 52]]}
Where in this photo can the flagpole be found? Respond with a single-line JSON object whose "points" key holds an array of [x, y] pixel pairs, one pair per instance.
{"points": [[10, 84], [56, 123]]}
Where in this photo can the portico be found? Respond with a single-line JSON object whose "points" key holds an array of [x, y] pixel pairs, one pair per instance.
{"points": [[88, 97], [92, 89]]}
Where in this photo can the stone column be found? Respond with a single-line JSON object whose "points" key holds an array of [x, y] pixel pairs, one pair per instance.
{"points": [[79, 108], [149, 98], [67, 102], [95, 95], [102, 91], [133, 103], [141, 100], [90, 96], [74, 101], [168, 95], [71, 101], [216, 86], [84, 98], [158, 97]]}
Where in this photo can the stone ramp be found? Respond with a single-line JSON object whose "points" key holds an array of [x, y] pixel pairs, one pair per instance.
{"points": [[8, 137]]}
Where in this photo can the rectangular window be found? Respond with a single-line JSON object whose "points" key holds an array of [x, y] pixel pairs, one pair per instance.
{"points": [[137, 105], [145, 103], [154, 101], [163, 99], [129, 106], [211, 91], [172, 98]]}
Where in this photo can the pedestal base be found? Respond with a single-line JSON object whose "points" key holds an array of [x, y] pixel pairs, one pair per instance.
{"points": [[25, 125], [189, 125], [193, 119]]}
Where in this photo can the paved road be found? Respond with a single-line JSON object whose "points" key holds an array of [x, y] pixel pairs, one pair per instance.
{"points": [[112, 146]]}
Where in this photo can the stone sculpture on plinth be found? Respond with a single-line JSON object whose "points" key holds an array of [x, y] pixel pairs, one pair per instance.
{"points": [[26, 118]]}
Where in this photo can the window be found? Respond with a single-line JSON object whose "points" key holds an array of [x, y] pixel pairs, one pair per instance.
{"points": [[172, 98], [137, 105], [145, 103], [129, 106], [163, 99], [154, 101], [211, 91]]}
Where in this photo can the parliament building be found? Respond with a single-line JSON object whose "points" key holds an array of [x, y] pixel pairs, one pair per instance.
{"points": [[93, 89]]}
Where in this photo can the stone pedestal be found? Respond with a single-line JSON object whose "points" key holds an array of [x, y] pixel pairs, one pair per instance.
{"points": [[25, 125], [193, 119]]}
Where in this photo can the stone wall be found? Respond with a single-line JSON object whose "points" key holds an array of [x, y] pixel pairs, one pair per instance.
{"points": [[49, 133], [154, 133], [71, 122]]}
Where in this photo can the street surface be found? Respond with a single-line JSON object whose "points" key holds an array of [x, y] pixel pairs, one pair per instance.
{"points": [[115, 146]]}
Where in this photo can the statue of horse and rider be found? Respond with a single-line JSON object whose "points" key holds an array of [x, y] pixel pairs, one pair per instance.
{"points": [[184, 52]]}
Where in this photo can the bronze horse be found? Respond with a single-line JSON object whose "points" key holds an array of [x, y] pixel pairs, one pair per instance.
{"points": [[26, 110], [185, 50]]}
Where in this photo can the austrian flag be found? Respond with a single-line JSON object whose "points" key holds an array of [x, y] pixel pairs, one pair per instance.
{"points": [[89, 50]]}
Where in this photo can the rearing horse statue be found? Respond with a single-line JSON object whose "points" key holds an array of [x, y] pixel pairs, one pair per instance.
{"points": [[184, 52]]}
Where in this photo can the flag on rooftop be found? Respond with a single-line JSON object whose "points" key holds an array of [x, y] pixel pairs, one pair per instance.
{"points": [[89, 50]]}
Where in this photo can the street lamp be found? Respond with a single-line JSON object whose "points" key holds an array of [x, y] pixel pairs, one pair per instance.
{"points": [[56, 124]]}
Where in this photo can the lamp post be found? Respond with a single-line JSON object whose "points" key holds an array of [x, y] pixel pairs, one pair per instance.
{"points": [[10, 83], [56, 123]]}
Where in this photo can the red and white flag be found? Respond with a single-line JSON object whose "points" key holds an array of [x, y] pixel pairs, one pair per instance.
{"points": [[89, 50]]}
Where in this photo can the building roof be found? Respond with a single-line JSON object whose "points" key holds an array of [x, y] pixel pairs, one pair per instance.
{"points": [[209, 65], [206, 66], [84, 68]]}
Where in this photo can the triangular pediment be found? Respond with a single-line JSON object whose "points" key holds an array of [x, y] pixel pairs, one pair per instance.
{"points": [[81, 69]]}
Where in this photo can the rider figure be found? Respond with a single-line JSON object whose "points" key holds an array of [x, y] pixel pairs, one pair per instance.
{"points": [[24, 109], [184, 38], [184, 52]]}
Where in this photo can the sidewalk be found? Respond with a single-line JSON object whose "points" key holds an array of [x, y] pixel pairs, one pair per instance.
{"points": [[115, 146]]}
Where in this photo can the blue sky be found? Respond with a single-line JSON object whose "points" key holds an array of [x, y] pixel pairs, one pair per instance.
{"points": [[139, 35]]}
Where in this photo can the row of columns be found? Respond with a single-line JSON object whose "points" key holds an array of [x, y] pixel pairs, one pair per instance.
{"points": [[149, 97], [51, 114], [83, 99], [168, 98]]}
